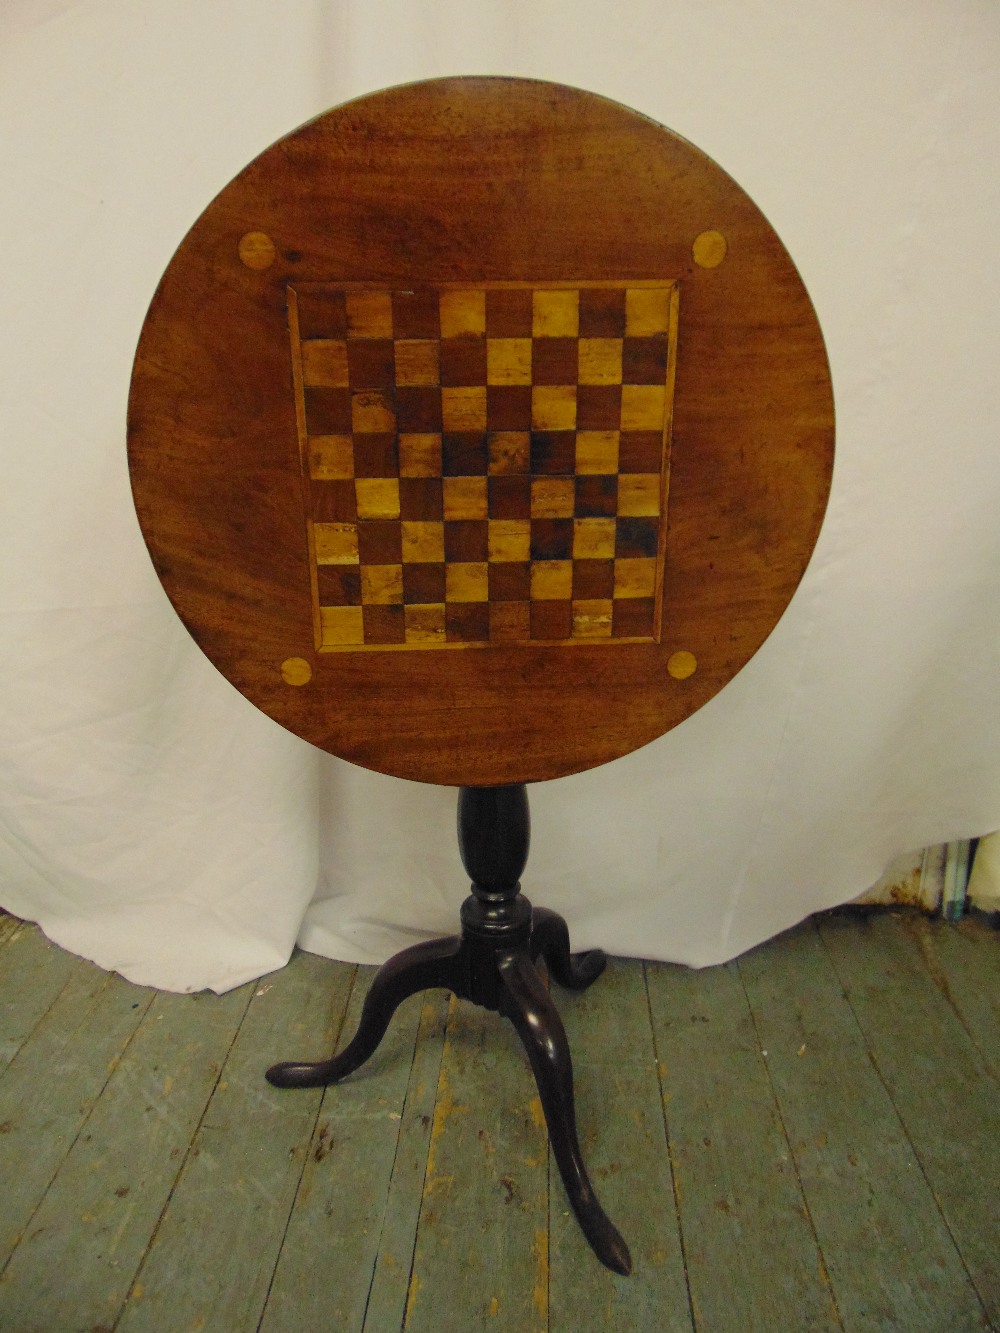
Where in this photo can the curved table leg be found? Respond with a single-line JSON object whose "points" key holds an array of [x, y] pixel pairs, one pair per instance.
{"points": [[540, 1028], [550, 939], [418, 968]]}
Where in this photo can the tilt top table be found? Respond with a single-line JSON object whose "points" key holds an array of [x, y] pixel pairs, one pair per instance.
{"points": [[480, 431]]}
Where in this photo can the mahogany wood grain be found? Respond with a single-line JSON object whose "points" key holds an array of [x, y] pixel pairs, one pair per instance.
{"points": [[467, 184]]}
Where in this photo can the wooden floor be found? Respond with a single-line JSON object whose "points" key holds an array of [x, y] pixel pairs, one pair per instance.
{"points": [[808, 1139]]}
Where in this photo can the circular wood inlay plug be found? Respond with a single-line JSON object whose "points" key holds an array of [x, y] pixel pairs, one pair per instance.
{"points": [[257, 250], [681, 665], [709, 249], [296, 671]]}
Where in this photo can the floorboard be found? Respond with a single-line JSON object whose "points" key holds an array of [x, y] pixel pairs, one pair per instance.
{"points": [[750, 1246], [482, 1234], [107, 1195], [328, 1259], [804, 1139], [210, 1261], [944, 1093], [888, 1253], [621, 1126]]}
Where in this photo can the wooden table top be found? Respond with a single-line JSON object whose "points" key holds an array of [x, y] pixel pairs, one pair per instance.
{"points": [[480, 430]]}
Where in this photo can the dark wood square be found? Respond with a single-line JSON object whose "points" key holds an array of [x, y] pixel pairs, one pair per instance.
{"points": [[423, 584], [553, 452], [551, 620], [551, 539], [644, 360], [598, 407], [509, 313], [322, 314], [466, 540], [554, 361], [463, 361], [510, 581], [384, 624], [418, 410], [593, 579], [637, 537], [338, 585], [376, 455], [467, 622], [602, 312], [464, 454], [371, 363], [510, 622], [328, 411], [416, 314], [380, 541], [596, 497], [640, 451], [633, 618], [510, 496], [333, 501], [508, 406], [420, 498]]}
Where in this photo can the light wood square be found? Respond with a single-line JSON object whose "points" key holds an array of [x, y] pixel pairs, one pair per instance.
{"points": [[600, 361], [635, 577], [331, 457], [552, 497], [420, 455], [424, 624], [556, 314], [466, 582], [464, 409], [553, 407], [378, 497], [423, 542], [510, 452], [597, 452], [592, 620], [324, 363], [372, 413], [340, 625], [336, 543], [369, 314], [509, 539], [639, 495], [551, 580], [381, 585], [594, 538], [508, 361], [465, 497], [643, 406], [647, 311], [417, 362], [462, 312]]}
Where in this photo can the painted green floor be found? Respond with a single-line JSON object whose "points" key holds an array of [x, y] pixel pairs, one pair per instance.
{"points": [[808, 1139]]}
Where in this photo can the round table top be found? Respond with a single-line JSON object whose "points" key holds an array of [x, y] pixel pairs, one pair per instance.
{"points": [[480, 430]]}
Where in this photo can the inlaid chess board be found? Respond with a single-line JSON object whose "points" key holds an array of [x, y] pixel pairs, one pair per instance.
{"points": [[484, 464]]}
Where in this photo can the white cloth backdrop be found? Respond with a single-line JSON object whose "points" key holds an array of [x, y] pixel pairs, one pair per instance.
{"points": [[154, 821]]}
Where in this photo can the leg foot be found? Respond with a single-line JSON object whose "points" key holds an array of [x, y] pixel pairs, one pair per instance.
{"points": [[540, 1028], [418, 968], [550, 940]]}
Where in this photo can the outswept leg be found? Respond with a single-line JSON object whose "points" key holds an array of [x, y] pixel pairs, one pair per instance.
{"points": [[540, 1028], [550, 940], [433, 963]]}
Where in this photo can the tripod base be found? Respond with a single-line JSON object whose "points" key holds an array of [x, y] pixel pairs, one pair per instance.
{"points": [[493, 963]]}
